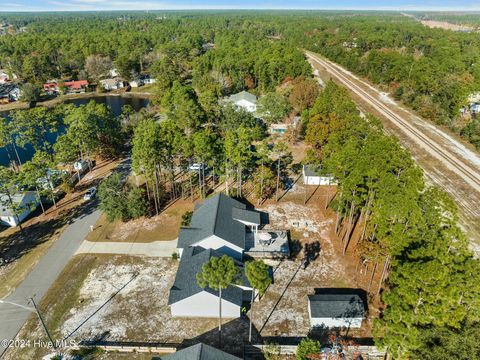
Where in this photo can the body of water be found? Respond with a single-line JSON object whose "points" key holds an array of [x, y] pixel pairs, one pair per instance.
{"points": [[115, 103]]}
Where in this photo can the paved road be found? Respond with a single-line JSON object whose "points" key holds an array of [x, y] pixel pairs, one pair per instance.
{"points": [[44, 274], [447, 162], [155, 248]]}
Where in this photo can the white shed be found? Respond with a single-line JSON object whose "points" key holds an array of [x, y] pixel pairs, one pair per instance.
{"points": [[313, 176], [336, 310], [26, 203]]}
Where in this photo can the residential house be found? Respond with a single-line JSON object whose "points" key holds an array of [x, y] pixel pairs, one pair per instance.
{"points": [[313, 175], [137, 82], [199, 352], [70, 87], [24, 203], [341, 310], [188, 299], [219, 223], [146, 79], [281, 128], [9, 92], [78, 86], [243, 100], [6, 76], [111, 84]]}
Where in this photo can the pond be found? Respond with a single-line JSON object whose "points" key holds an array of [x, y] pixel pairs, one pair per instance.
{"points": [[115, 103]]}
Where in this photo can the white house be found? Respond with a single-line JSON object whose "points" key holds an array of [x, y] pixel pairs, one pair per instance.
{"points": [[336, 310], [243, 100], [313, 176], [26, 203], [111, 84], [188, 299], [219, 223], [6, 76]]}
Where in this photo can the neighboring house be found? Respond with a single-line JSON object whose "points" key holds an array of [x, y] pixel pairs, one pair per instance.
{"points": [[9, 92], [5, 76], [111, 84], [281, 128], [26, 203], [313, 175], [78, 86], [71, 87], [475, 108], [199, 352], [219, 223], [336, 310], [113, 73], [188, 299], [243, 100], [135, 83], [146, 79]]}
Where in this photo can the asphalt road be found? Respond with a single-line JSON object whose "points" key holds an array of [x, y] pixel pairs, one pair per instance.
{"points": [[37, 283], [43, 275]]}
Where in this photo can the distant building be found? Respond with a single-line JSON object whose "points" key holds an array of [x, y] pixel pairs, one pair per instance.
{"points": [[313, 175], [9, 92], [336, 310], [135, 83], [199, 352], [70, 87], [111, 84], [6, 76], [24, 203], [282, 128], [243, 100]]}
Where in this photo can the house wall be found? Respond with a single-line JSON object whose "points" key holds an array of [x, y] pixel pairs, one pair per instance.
{"points": [[29, 202], [247, 105], [352, 323], [217, 243], [205, 305], [319, 180]]}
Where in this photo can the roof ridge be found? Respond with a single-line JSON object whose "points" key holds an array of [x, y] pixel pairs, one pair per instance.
{"points": [[200, 352], [217, 206]]}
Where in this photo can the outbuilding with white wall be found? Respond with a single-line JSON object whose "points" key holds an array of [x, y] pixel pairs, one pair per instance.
{"points": [[336, 310]]}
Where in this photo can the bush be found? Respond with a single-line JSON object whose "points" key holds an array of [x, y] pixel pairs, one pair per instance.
{"points": [[186, 218], [175, 255], [307, 347]]}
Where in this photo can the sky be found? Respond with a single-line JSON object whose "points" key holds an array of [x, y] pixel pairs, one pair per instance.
{"points": [[89, 5]]}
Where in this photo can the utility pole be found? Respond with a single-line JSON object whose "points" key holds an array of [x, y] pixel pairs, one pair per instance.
{"points": [[43, 323]]}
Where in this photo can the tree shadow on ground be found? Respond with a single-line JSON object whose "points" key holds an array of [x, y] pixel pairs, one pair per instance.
{"points": [[15, 245]]}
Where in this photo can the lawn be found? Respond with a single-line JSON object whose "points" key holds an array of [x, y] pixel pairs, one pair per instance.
{"points": [[165, 226]]}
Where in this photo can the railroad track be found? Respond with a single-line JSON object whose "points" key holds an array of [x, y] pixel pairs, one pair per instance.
{"points": [[452, 161]]}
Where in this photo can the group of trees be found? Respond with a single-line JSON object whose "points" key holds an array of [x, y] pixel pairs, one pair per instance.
{"points": [[404, 227], [85, 132]]}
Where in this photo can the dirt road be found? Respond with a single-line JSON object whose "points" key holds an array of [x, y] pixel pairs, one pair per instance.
{"points": [[447, 162]]}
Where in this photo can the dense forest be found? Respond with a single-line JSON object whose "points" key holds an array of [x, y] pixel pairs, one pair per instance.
{"points": [[429, 280], [431, 70]]}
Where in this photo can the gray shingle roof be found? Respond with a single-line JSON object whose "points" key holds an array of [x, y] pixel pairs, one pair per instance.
{"points": [[336, 306], [185, 284], [243, 95], [18, 199], [214, 217], [311, 170], [246, 215], [199, 352]]}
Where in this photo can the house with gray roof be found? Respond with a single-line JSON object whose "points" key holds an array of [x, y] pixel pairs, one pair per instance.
{"points": [[244, 100], [342, 310], [219, 223], [188, 299], [199, 352]]}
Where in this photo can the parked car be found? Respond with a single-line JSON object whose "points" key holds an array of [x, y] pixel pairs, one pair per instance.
{"points": [[90, 194], [195, 167]]}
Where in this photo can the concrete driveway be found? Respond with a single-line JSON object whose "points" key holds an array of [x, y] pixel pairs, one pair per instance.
{"points": [[155, 248]]}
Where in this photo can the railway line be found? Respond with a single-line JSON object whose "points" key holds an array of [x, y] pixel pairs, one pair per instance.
{"points": [[451, 155]]}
